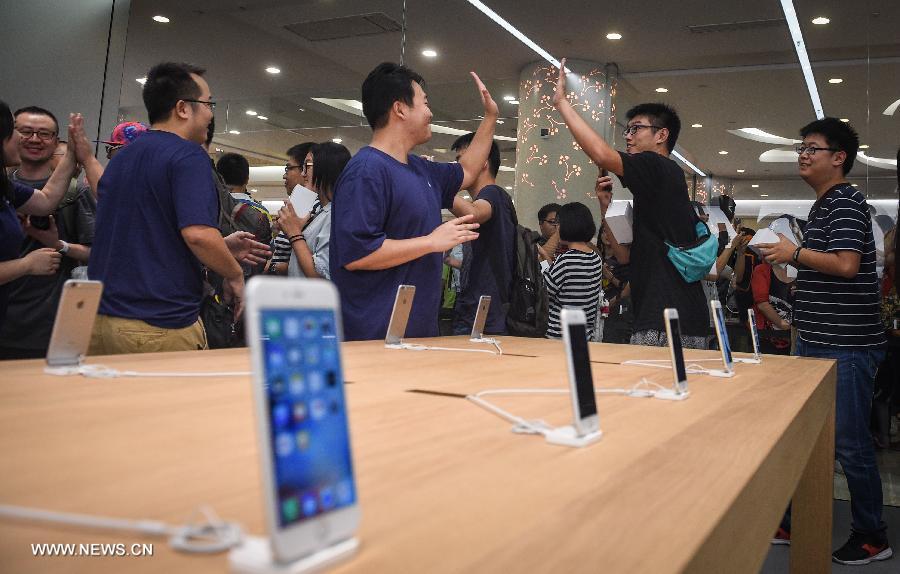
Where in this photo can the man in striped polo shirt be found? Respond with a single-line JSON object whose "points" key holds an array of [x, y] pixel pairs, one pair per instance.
{"points": [[836, 314]]}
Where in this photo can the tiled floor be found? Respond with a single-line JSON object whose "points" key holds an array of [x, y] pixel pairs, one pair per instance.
{"points": [[888, 466]]}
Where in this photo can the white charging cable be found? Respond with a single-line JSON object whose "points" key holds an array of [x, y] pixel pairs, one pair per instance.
{"points": [[208, 535], [417, 347], [104, 372], [539, 426]]}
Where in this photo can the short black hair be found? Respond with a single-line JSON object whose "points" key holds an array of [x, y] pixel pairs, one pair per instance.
{"points": [[547, 210], [837, 134], [576, 222], [463, 142], [660, 115], [329, 160], [234, 169], [298, 152], [166, 84], [384, 85], [39, 111]]}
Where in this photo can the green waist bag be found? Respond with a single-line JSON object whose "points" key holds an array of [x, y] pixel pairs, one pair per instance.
{"points": [[694, 261]]}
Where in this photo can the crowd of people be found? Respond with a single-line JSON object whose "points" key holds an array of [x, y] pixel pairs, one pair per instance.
{"points": [[174, 236]]}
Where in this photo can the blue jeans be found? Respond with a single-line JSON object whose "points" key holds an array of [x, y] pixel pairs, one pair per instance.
{"points": [[853, 444]]}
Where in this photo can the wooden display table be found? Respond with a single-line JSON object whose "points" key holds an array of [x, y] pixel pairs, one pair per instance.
{"points": [[444, 486]]}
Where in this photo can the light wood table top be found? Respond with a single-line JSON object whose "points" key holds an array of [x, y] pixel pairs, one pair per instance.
{"points": [[444, 486]]}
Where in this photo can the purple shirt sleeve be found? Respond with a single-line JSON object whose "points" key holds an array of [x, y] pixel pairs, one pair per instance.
{"points": [[195, 198], [360, 219], [21, 194], [449, 178]]}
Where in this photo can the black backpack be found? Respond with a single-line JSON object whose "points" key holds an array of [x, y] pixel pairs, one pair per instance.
{"points": [[527, 309]]}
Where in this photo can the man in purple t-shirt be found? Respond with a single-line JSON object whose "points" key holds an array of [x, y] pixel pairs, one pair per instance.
{"points": [[386, 221], [157, 225]]}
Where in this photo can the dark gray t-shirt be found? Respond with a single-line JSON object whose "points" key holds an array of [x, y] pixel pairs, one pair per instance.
{"points": [[489, 271], [33, 298]]}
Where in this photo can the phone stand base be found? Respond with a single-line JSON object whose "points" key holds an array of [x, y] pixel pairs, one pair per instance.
{"points": [[718, 373], [254, 556], [753, 361], [671, 395], [567, 436], [63, 371], [488, 340]]}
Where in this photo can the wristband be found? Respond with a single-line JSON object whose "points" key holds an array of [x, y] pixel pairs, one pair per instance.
{"points": [[797, 254], [64, 247], [293, 237], [297, 238]]}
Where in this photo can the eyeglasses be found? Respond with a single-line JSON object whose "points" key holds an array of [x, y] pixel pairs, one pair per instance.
{"points": [[43, 135], [632, 129], [811, 149], [209, 103], [553, 222], [288, 168]]}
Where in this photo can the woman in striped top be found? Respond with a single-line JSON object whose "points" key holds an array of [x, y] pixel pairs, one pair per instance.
{"points": [[574, 278]]}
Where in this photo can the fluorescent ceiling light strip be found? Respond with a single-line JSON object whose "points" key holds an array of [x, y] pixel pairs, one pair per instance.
{"points": [[888, 111], [759, 135], [512, 30], [797, 36], [687, 163]]}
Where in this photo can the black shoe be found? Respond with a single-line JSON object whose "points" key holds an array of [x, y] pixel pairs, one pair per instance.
{"points": [[861, 549]]}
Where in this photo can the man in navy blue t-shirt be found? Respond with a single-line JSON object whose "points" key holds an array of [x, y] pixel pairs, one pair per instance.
{"points": [[836, 313], [386, 226], [156, 225], [487, 267]]}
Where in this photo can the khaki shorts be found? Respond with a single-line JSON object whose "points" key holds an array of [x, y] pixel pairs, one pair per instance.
{"points": [[115, 335]]}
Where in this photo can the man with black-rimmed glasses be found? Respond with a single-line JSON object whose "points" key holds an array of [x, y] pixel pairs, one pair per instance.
{"points": [[157, 225], [836, 313]]}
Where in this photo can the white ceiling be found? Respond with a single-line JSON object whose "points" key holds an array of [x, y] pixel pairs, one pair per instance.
{"points": [[745, 77]]}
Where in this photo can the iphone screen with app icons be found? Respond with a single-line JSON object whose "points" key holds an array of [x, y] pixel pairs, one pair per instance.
{"points": [[310, 438]]}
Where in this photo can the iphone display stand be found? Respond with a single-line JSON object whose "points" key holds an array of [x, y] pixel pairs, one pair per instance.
{"points": [[751, 361], [671, 395], [254, 556], [567, 436]]}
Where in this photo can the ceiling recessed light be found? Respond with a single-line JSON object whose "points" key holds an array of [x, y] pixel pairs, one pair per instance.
{"points": [[254, 190], [845, 120], [273, 70], [501, 121], [764, 195], [864, 146], [855, 184], [741, 170], [821, 21], [508, 187], [301, 110], [234, 132], [142, 81], [835, 80], [662, 90], [514, 102], [754, 185], [161, 19], [696, 125], [440, 150], [337, 140], [509, 98], [250, 113], [723, 152], [261, 117], [614, 36], [429, 53]]}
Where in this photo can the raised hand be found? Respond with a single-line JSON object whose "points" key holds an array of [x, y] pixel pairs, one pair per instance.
{"points": [[450, 234], [490, 106], [78, 141], [559, 94]]}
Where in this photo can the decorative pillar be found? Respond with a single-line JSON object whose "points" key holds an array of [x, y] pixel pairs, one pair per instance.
{"points": [[550, 165]]}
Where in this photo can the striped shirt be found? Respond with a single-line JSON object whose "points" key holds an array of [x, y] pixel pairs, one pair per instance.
{"points": [[281, 248], [574, 280], [829, 310]]}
